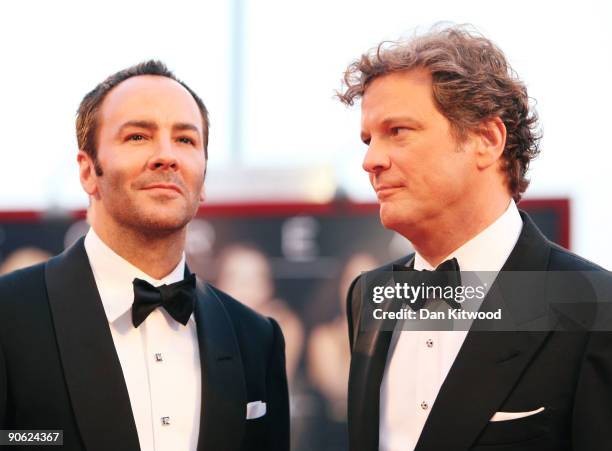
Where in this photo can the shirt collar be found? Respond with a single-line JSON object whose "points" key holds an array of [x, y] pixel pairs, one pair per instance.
{"points": [[489, 250], [114, 276]]}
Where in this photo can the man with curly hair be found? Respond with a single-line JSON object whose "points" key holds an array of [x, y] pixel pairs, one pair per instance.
{"points": [[450, 134]]}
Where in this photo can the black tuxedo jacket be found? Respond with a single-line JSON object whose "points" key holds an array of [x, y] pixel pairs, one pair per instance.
{"points": [[567, 373], [59, 368]]}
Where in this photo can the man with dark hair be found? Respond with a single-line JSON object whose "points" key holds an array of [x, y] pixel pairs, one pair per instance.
{"points": [[449, 135], [114, 341]]}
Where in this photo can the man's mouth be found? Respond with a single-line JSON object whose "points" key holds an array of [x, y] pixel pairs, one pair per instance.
{"points": [[164, 186], [385, 190]]}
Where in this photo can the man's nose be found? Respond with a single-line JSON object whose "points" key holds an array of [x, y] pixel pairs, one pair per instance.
{"points": [[376, 158], [165, 156]]}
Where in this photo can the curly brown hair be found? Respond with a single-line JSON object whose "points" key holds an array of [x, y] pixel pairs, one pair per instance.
{"points": [[472, 82]]}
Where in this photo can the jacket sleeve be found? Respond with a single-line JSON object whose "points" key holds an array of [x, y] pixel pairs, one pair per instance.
{"points": [[592, 414], [278, 395]]}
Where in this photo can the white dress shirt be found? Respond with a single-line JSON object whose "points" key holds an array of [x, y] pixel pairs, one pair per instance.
{"points": [[160, 359], [419, 361]]}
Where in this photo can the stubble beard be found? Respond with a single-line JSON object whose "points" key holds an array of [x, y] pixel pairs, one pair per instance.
{"points": [[144, 217]]}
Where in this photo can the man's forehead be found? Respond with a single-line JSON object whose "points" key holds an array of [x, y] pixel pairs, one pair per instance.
{"points": [[151, 95], [397, 93], [398, 83]]}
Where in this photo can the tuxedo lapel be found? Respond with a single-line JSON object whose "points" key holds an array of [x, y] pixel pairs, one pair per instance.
{"points": [[368, 361], [482, 376], [224, 398], [92, 370], [489, 363], [367, 368]]}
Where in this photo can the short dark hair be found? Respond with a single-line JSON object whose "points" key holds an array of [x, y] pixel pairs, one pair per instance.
{"points": [[87, 114], [472, 82]]}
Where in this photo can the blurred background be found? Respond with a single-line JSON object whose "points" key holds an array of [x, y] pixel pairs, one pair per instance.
{"points": [[290, 218]]}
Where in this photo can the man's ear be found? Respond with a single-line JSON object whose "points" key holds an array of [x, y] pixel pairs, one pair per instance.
{"points": [[87, 173], [491, 143]]}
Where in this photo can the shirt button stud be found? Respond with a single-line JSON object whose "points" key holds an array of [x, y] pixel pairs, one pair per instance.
{"points": [[424, 405], [158, 357], [165, 421], [429, 343]]}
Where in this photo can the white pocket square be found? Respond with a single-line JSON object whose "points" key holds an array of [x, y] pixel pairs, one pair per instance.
{"points": [[506, 416], [255, 409]]}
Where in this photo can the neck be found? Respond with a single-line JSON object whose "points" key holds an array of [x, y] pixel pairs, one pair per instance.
{"points": [[437, 239], [154, 253]]}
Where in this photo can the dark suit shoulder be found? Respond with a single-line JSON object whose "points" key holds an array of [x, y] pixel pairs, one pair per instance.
{"points": [[21, 287], [382, 268], [24, 306], [562, 259], [21, 278]]}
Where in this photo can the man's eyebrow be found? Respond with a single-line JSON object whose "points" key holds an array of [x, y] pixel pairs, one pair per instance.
{"points": [[392, 119], [149, 125], [387, 121], [182, 126]]}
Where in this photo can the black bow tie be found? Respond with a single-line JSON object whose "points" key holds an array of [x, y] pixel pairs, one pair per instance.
{"points": [[446, 274], [177, 298]]}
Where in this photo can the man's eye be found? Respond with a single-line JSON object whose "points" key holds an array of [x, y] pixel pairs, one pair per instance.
{"points": [[135, 138], [186, 140], [397, 130]]}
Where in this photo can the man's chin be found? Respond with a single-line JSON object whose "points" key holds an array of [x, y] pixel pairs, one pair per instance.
{"points": [[160, 221], [394, 218]]}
